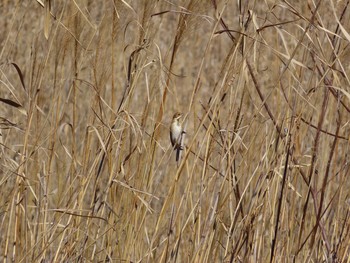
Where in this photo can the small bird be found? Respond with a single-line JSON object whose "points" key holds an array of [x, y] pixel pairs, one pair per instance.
{"points": [[176, 133]]}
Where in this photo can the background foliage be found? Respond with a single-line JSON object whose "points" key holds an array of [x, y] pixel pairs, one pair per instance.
{"points": [[87, 93]]}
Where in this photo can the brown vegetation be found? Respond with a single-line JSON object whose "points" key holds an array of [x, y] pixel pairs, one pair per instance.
{"points": [[87, 93]]}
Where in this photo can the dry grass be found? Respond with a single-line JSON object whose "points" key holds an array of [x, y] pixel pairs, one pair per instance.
{"points": [[87, 92]]}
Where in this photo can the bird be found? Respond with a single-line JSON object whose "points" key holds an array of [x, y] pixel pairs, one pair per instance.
{"points": [[176, 133]]}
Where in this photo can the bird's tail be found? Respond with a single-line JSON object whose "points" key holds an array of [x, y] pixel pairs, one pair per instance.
{"points": [[178, 154]]}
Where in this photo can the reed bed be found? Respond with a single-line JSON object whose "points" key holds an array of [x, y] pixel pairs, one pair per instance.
{"points": [[87, 93]]}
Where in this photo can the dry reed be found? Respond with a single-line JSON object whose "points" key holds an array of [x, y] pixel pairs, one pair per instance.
{"points": [[87, 92]]}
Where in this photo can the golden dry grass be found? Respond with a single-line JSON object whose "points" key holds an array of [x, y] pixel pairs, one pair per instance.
{"points": [[87, 92]]}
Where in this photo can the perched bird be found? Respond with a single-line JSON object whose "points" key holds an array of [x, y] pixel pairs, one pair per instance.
{"points": [[176, 133]]}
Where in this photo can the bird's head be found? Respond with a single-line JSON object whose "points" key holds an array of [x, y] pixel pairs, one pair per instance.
{"points": [[177, 116]]}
